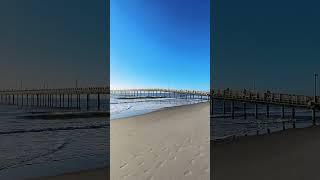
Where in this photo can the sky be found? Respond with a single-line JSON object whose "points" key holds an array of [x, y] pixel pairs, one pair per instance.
{"points": [[56, 41], [272, 43], [160, 44]]}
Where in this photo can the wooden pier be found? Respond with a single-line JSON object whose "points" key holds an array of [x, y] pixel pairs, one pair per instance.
{"points": [[80, 98], [67, 98], [265, 99], [161, 93]]}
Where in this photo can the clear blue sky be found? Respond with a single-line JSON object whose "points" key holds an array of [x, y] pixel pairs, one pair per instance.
{"points": [[160, 44], [276, 43]]}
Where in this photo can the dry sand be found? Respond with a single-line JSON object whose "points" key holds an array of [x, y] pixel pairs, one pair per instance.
{"points": [[170, 144], [292, 154]]}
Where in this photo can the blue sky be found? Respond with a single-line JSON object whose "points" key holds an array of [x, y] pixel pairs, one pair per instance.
{"points": [[160, 44], [274, 43]]}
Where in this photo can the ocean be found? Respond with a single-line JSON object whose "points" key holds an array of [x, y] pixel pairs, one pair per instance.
{"points": [[121, 107], [42, 146]]}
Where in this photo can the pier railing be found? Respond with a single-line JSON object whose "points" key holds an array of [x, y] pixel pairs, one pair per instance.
{"points": [[171, 93], [264, 97]]}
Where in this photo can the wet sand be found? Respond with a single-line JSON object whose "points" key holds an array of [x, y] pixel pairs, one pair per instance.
{"points": [[168, 144], [292, 154]]}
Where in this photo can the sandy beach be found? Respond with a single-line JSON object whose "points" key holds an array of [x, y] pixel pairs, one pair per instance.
{"points": [[168, 144], [292, 154]]}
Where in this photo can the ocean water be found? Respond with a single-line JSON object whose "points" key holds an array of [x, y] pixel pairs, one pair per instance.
{"points": [[121, 108], [46, 147], [36, 147], [223, 126]]}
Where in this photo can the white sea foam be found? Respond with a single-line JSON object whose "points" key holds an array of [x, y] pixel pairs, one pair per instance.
{"points": [[121, 108]]}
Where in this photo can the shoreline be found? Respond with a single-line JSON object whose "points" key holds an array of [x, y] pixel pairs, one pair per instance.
{"points": [[156, 110]]}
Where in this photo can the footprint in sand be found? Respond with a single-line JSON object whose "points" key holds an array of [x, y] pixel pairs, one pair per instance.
{"points": [[123, 165], [163, 163], [156, 155], [165, 149], [159, 164], [141, 164], [198, 154], [173, 158], [187, 173], [179, 149], [147, 171]]}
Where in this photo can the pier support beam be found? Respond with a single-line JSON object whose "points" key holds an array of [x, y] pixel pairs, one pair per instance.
{"points": [[63, 101], [38, 100], [293, 117], [69, 100], [268, 111], [60, 98], [256, 111], [21, 100], [293, 113], [232, 109], [314, 117], [98, 102], [282, 114], [79, 101], [88, 101], [245, 110]]}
